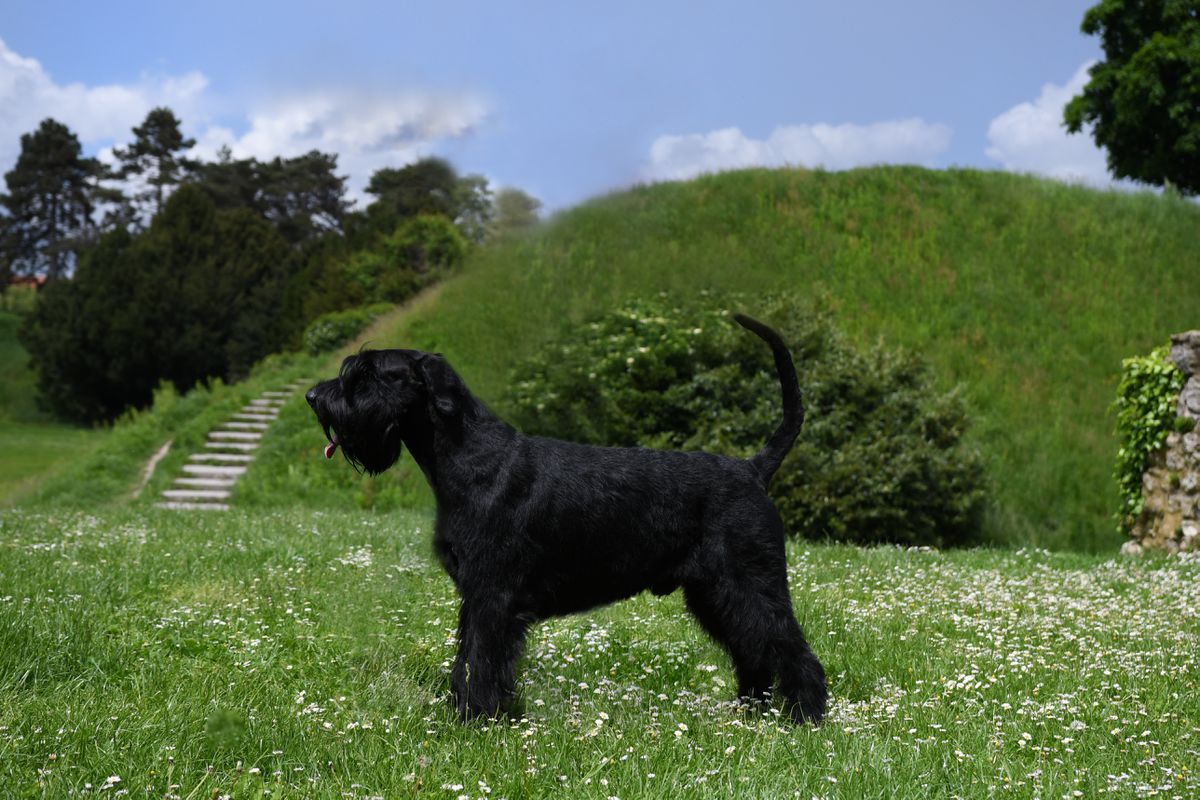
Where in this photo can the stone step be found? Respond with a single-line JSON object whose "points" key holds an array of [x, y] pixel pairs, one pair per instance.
{"points": [[234, 436], [264, 402], [196, 494], [204, 483], [207, 470], [178, 506], [277, 394], [244, 426], [255, 417], [239, 446], [229, 458]]}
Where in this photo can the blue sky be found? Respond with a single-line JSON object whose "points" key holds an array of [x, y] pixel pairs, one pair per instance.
{"points": [[566, 100]]}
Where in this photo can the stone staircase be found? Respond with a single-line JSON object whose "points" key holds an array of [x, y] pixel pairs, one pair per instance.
{"points": [[208, 478]]}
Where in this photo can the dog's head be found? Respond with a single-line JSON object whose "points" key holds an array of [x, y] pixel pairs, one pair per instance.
{"points": [[382, 397]]}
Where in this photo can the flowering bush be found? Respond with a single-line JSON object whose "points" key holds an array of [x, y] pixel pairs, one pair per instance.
{"points": [[881, 457]]}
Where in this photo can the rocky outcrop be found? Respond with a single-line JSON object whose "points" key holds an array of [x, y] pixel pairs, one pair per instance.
{"points": [[1170, 518]]}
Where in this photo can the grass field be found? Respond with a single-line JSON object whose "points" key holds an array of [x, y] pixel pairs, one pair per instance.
{"points": [[303, 654], [33, 444]]}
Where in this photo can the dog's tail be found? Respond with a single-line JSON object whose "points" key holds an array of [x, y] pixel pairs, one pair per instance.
{"points": [[767, 460]]}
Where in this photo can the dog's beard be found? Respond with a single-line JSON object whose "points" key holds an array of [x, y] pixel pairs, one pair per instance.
{"points": [[373, 456], [367, 451]]}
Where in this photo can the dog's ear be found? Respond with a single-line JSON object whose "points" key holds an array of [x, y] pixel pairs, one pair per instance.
{"points": [[446, 389]]}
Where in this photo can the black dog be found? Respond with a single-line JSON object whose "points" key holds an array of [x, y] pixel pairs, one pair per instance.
{"points": [[530, 528]]}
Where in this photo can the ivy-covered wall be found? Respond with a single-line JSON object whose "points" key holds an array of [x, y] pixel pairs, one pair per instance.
{"points": [[1158, 463]]}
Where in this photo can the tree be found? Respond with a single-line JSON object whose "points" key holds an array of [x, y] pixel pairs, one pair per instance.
{"points": [[49, 204], [157, 152], [515, 210], [474, 207], [1143, 100], [429, 186], [197, 295], [302, 197]]}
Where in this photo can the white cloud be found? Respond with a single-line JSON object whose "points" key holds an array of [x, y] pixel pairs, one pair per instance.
{"points": [[821, 145], [1030, 137], [97, 114], [367, 131]]}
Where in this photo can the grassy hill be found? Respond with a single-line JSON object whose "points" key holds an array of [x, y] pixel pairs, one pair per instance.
{"points": [[1027, 292]]}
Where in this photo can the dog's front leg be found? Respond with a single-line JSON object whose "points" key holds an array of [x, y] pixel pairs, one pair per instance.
{"points": [[490, 639]]}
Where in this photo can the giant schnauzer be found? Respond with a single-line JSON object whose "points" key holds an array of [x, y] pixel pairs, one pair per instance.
{"points": [[530, 528]]}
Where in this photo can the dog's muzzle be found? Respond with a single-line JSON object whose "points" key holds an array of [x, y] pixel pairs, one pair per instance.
{"points": [[334, 441]]}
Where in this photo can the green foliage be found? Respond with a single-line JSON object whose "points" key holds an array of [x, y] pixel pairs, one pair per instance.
{"points": [[881, 457], [334, 329], [429, 186], [197, 296], [421, 250], [425, 244], [1145, 409], [1143, 100], [302, 197]]}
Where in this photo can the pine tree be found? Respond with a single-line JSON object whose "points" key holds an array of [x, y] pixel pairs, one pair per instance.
{"points": [[157, 152], [51, 197]]}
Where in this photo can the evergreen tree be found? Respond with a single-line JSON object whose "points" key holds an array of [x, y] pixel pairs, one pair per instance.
{"points": [[157, 152], [49, 204], [302, 197], [197, 295]]}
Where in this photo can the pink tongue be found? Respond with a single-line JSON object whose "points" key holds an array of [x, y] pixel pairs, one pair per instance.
{"points": [[329, 449]]}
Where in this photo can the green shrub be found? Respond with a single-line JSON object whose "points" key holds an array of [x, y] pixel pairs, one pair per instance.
{"points": [[427, 243], [881, 456], [1145, 409], [330, 331]]}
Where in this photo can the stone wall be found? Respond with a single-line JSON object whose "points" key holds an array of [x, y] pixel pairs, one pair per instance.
{"points": [[1170, 519]]}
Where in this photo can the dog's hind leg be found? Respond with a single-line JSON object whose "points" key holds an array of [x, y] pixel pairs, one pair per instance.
{"points": [[757, 628], [738, 590], [715, 610], [491, 637], [801, 676]]}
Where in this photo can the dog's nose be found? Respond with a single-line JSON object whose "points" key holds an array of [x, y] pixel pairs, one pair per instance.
{"points": [[311, 396]]}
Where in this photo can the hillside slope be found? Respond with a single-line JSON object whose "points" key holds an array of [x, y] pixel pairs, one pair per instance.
{"points": [[1027, 292]]}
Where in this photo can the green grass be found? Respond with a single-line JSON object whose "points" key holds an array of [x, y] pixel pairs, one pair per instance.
{"points": [[1027, 292], [33, 444], [306, 654]]}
